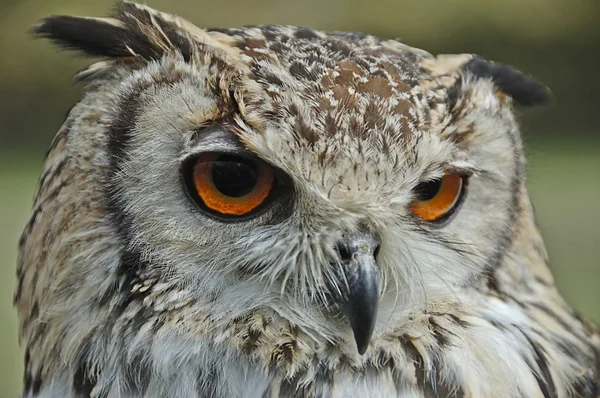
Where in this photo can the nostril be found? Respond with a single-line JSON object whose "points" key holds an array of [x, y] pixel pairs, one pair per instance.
{"points": [[376, 251], [345, 254], [343, 251]]}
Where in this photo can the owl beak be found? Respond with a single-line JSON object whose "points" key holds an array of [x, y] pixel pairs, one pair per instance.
{"points": [[359, 304]]}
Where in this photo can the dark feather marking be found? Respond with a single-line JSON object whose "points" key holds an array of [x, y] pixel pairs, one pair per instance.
{"points": [[513, 210], [339, 47], [38, 209], [453, 94], [439, 333], [20, 280], [49, 174], [460, 322], [119, 137], [540, 306], [251, 340], [299, 71], [207, 382], [323, 381], [137, 371], [132, 15], [101, 38], [585, 386], [83, 381], [36, 384], [27, 358], [305, 34], [289, 388], [118, 146], [93, 37], [28, 380], [417, 359], [543, 377], [427, 383], [127, 275], [524, 89], [32, 379], [137, 375], [119, 141], [595, 381], [282, 356]]}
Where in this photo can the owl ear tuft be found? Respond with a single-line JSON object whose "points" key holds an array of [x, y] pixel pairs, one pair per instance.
{"points": [[135, 30], [102, 37], [524, 90]]}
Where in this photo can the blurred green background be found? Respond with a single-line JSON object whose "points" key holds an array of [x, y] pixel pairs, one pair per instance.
{"points": [[558, 41]]}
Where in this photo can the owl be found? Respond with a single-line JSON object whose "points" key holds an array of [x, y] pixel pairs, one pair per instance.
{"points": [[275, 211]]}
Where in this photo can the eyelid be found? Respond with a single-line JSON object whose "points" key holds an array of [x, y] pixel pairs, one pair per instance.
{"points": [[461, 167], [217, 139]]}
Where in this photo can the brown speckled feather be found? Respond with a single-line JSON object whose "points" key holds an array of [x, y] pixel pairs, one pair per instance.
{"points": [[129, 288]]}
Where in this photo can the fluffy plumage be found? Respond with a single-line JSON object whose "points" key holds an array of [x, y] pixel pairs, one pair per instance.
{"points": [[127, 289]]}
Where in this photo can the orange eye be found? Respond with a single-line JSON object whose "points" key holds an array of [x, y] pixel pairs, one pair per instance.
{"points": [[437, 198], [231, 185]]}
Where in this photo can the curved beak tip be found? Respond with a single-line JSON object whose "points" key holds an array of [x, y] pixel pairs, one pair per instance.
{"points": [[360, 301], [362, 320], [362, 343]]}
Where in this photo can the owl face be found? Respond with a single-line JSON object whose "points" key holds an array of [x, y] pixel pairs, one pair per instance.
{"points": [[331, 178]]}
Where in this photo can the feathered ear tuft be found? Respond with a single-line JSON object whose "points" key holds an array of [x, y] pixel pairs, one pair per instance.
{"points": [[103, 37], [525, 90], [135, 30]]}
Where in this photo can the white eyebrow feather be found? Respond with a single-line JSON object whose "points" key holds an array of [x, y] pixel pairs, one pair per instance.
{"points": [[462, 166]]}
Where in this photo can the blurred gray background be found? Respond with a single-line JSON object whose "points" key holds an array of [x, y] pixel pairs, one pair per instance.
{"points": [[557, 41]]}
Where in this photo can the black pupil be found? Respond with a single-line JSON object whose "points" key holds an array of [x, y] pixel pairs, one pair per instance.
{"points": [[234, 176], [428, 190]]}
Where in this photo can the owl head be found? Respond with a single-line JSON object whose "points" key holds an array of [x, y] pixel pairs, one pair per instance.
{"points": [[338, 182]]}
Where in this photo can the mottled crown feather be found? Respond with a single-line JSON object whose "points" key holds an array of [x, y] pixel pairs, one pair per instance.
{"points": [[137, 31]]}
